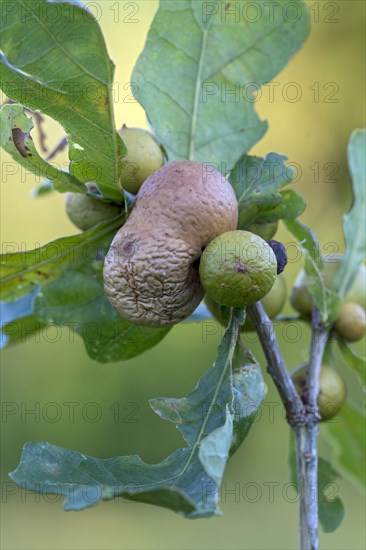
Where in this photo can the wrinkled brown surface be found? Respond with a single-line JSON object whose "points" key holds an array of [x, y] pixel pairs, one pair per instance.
{"points": [[151, 270]]}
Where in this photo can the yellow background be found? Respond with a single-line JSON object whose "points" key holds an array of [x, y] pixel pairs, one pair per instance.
{"points": [[57, 370]]}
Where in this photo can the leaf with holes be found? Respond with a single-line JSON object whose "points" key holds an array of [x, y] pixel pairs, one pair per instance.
{"points": [[348, 439], [16, 140], [257, 182], [55, 60]]}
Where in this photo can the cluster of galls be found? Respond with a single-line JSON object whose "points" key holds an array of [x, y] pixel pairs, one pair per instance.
{"points": [[144, 156], [180, 242], [350, 324]]}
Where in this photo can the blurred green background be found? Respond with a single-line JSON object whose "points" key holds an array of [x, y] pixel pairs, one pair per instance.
{"points": [[53, 375]]}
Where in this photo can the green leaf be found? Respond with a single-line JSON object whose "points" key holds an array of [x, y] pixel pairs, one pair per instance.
{"points": [[334, 302], [331, 510], [257, 179], [19, 330], [249, 392], [18, 308], [186, 482], [214, 450], [69, 271], [257, 182], [354, 221], [77, 300], [326, 301], [17, 320], [55, 60], [207, 401], [42, 189], [316, 288], [306, 237], [21, 271], [347, 435], [291, 206], [196, 75], [15, 139], [354, 361]]}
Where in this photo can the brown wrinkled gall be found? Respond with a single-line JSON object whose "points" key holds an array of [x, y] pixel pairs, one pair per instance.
{"points": [[151, 270]]}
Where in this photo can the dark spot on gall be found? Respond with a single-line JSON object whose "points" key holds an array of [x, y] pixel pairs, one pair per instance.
{"points": [[128, 249], [241, 268]]}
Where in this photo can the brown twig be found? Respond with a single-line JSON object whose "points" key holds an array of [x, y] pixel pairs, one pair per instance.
{"points": [[302, 419], [276, 366]]}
